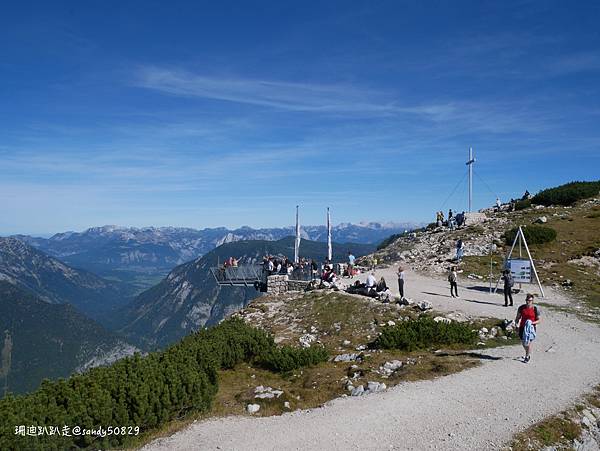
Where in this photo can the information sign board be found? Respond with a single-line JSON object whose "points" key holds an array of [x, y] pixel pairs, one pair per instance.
{"points": [[520, 270]]}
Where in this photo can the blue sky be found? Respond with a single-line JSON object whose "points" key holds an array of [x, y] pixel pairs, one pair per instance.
{"points": [[193, 114]]}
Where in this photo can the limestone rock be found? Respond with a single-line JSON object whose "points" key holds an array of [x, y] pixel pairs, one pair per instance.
{"points": [[424, 305], [346, 357], [373, 387], [306, 339], [252, 408], [358, 391], [388, 368]]}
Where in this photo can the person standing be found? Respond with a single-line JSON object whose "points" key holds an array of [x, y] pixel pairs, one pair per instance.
{"points": [[528, 317], [453, 279], [508, 280], [351, 259], [314, 268], [401, 281], [459, 250]]}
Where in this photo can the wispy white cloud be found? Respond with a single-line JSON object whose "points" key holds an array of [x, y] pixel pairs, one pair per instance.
{"points": [[282, 95]]}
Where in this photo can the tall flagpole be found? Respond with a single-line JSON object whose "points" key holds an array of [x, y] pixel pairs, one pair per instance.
{"points": [[329, 250], [297, 242]]}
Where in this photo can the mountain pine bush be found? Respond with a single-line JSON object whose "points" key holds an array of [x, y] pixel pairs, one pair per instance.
{"points": [[141, 391], [424, 333], [534, 234], [567, 194], [288, 358]]}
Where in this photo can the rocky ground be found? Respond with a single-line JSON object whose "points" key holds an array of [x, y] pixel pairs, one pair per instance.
{"points": [[480, 408]]}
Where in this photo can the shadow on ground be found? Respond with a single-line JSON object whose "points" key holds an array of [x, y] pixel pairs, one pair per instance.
{"points": [[476, 355]]}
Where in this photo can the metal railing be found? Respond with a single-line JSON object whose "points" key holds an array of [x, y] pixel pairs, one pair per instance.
{"points": [[243, 275]]}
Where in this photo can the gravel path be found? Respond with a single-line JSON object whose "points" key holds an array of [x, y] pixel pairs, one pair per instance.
{"points": [[480, 408]]}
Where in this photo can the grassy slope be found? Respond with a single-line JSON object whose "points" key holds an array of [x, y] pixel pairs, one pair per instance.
{"points": [[578, 234], [336, 317]]}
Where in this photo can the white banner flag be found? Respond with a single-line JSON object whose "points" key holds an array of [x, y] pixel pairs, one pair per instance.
{"points": [[297, 242], [329, 250]]}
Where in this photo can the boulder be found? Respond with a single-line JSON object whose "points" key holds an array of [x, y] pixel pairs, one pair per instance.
{"points": [[424, 305], [373, 387], [306, 339], [404, 301], [346, 358], [541, 220], [252, 408], [386, 297], [441, 319], [388, 368], [358, 391]]}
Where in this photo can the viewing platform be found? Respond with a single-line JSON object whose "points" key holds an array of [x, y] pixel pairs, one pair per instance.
{"points": [[239, 276], [256, 276]]}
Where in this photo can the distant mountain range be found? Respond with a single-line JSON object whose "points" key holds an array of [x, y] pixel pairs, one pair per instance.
{"points": [[142, 256], [189, 298], [55, 282], [50, 309]]}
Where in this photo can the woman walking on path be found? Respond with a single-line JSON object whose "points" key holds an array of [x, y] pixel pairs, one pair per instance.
{"points": [[528, 316], [453, 279], [401, 281]]}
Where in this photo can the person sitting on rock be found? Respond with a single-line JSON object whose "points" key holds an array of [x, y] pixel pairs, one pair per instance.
{"points": [[381, 285], [371, 281], [357, 287]]}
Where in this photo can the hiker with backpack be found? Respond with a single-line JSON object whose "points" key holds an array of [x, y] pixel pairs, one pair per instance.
{"points": [[528, 316], [508, 280]]}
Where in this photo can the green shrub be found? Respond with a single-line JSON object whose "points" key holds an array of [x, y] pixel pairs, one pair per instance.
{"points": [[567, 194], [288, 358], [142, 391], [522, 204], [424, 333], [534, 234]]}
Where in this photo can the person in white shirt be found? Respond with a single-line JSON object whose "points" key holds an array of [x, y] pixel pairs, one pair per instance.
{"points": [[371, 282], [401, 281]]}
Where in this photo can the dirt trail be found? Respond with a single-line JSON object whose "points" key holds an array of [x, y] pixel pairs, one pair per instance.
{"points": [[480, 408]]}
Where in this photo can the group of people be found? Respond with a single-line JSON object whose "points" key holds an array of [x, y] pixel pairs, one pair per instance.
{"points": [[283, 265], [371, 287], [231, 262], [454, 220]]}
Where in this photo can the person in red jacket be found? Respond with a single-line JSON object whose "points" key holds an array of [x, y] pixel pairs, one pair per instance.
{"points": [[525, 312]]}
